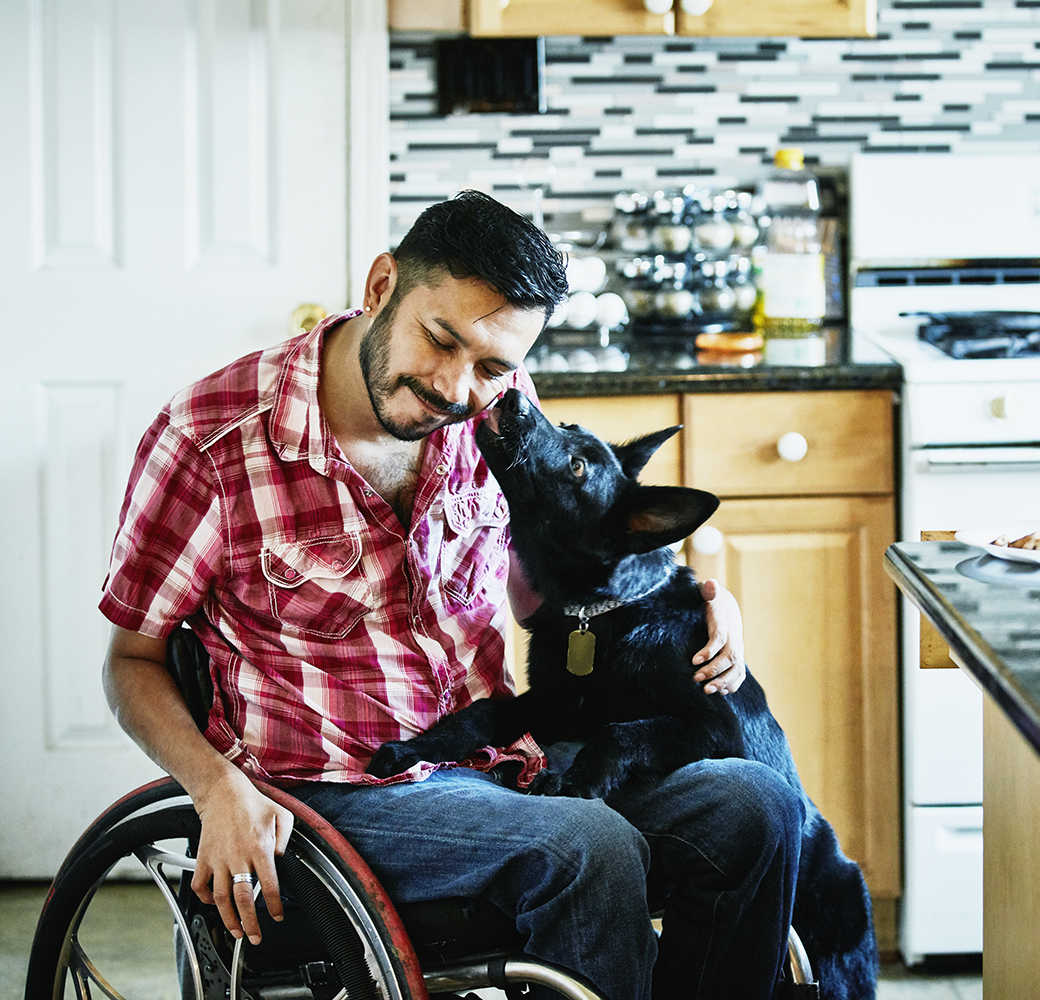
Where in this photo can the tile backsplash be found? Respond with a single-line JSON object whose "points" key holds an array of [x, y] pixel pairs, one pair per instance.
{"points": [[646, 113]]}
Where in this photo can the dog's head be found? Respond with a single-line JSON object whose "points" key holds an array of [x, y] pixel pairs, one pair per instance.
{"points": [[576, 506]]}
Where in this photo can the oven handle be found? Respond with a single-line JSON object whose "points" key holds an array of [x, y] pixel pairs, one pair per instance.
{"points": [[940, 459]]}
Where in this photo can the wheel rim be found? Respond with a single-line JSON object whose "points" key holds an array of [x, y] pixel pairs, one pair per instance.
{"points": [[77, 963]]}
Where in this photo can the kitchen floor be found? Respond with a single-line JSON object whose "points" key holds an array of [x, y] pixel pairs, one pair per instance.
{"points": [[143, 929]]}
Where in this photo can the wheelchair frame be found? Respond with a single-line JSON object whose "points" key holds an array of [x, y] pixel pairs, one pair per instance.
{"points": [[343, 938]]}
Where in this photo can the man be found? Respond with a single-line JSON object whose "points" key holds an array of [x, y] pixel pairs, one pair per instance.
{"points": [[320, 515]]}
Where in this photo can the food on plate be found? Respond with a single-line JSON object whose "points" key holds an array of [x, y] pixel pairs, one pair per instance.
{"points": [[1031, 541]]}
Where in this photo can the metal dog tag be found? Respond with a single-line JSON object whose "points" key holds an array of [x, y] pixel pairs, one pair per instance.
{"points": [[581, 651]]}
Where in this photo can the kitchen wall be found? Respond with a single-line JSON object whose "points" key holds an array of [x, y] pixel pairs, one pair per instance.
{"points": [[642, 113]]}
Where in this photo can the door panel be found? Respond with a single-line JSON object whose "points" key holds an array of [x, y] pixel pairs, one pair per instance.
{"points": [[174, 185]]}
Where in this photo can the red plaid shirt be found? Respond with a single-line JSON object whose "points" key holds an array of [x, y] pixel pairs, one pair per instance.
{"points": [[340, 628]]}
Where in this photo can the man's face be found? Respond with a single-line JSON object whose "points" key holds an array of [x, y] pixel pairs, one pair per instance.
{"points": [[437, 356]]}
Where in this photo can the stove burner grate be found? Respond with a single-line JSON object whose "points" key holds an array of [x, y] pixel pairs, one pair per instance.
{"points": [[984, 334]]}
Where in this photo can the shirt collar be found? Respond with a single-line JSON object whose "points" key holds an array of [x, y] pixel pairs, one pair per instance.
{"points": [[297, 428]]}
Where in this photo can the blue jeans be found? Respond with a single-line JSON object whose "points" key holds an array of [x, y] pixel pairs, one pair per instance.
{"points": [[716, 841]]}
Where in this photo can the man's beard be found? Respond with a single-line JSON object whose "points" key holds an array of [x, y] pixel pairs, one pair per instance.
{"points": [[374, 355]]}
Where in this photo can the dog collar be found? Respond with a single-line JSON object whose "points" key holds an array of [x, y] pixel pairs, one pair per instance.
{"points": [[583, 612]]}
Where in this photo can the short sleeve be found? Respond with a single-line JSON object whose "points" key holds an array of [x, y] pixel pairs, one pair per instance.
{"points": [[168, 548]]}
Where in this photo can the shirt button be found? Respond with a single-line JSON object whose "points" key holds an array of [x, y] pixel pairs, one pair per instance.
{"points": [[441, 470], [290, 574], [367, 493], [339, 565]]}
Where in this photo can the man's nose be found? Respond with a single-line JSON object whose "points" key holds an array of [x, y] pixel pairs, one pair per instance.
{"points": [[455, 383]]}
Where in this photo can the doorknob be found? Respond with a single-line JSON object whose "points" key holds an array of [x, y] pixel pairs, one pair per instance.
{"points": [[306, 317]]}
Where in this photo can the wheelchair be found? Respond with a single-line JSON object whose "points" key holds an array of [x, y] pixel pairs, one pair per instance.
{"points": [[342, 937]]}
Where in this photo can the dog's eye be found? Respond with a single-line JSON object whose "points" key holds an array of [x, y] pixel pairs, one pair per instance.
{"points": [[578, 466]]}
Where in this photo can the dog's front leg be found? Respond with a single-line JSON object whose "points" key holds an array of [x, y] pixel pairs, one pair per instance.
{"points": [[487, 722], [642, 750]]}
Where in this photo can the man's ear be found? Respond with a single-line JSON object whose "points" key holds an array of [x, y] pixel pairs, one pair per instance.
{"points": [[380, 283], [635, 454], [660, 515]]}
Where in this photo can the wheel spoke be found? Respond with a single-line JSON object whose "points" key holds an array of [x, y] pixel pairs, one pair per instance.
{"points": [[153, 858], [84, 972]]}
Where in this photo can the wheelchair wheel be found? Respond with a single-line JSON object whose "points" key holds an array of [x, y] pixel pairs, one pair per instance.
{"points": [[341, 938]]}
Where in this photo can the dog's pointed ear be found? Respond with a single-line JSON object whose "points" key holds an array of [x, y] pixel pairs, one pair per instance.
{"points": [[660, 515], [635, 454]]}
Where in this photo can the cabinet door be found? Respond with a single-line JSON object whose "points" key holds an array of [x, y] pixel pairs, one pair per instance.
{"points": [[565, 17], [802, 18], [819, 628], [621, 418], [425, 15], [805, 18]]}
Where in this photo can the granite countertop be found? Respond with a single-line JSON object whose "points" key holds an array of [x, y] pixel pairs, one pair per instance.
{"points": [[628, 366], [988, 610]]}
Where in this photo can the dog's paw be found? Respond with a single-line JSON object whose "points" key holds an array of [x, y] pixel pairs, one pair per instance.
{"points": [[392, 758], [545, 782], [584, 789]]}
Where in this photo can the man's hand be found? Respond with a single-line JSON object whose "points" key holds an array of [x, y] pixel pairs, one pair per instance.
{"points": [[242, 832], [242, 829], [723, 658]]}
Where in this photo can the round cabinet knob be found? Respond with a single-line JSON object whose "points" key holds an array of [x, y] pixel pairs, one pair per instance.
{"points": [[696, 8], [658, 6], [792, 447], [707, 540], [1004, 407]]}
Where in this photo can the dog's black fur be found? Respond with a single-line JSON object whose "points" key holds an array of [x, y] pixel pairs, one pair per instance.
{"points": [[587, 533]]}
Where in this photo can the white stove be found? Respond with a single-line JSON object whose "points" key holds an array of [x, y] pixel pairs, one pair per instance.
{"points": [[949, 234], [885, 301]]}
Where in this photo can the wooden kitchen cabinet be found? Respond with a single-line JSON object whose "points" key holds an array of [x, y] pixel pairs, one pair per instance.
{"points": [[804, 18], [802, 547]]}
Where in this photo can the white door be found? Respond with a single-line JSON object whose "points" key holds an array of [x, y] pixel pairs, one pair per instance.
{"points": [[173, 183]]}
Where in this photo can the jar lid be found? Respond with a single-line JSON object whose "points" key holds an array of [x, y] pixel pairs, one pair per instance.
{"points": [[791, 158]]}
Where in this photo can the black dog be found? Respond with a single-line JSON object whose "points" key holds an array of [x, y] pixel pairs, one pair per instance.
{"points": [[609, 663]]}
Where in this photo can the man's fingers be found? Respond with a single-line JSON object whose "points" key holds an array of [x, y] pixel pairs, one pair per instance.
{"points": [[243, 895], [223, 897], [268, 873]]}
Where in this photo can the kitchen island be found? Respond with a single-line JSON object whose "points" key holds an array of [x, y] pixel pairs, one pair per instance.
{"points": [[988, 611]]}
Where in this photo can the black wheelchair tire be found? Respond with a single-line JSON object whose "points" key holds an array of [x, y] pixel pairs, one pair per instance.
{"points": [[334, 887]]}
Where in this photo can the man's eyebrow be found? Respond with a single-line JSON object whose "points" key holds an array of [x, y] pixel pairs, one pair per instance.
{"points": [[450, 329]]}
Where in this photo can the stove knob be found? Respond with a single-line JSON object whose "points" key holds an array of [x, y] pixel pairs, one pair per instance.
{"points": [[792, 446], [1004, 407]]}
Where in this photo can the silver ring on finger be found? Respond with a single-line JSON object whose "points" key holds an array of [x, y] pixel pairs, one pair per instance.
{"points": [[243, 877]]}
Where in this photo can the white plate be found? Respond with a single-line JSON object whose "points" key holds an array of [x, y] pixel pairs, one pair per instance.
{"points": [[982, 537]]}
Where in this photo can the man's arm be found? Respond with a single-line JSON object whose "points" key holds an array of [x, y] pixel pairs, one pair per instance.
{"points": [[242, 829]]}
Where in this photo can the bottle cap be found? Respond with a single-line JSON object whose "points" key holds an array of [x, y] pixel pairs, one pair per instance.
{"points": [[789, 159]]}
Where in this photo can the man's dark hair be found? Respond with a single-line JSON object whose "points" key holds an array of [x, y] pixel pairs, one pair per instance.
{"points": [[474, 236]]}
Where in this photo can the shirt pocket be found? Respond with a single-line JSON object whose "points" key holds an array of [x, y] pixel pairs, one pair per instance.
{"points": [[317, 587], [474, 541]]}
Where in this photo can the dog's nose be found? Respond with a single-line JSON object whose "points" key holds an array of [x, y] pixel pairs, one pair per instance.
{"points": [[514, 401]]}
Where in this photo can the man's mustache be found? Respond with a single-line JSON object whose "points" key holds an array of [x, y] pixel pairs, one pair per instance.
{"points": [[434, 399]]}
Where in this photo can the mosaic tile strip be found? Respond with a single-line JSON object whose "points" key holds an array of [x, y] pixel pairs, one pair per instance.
{"points": [[640, 112]]}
